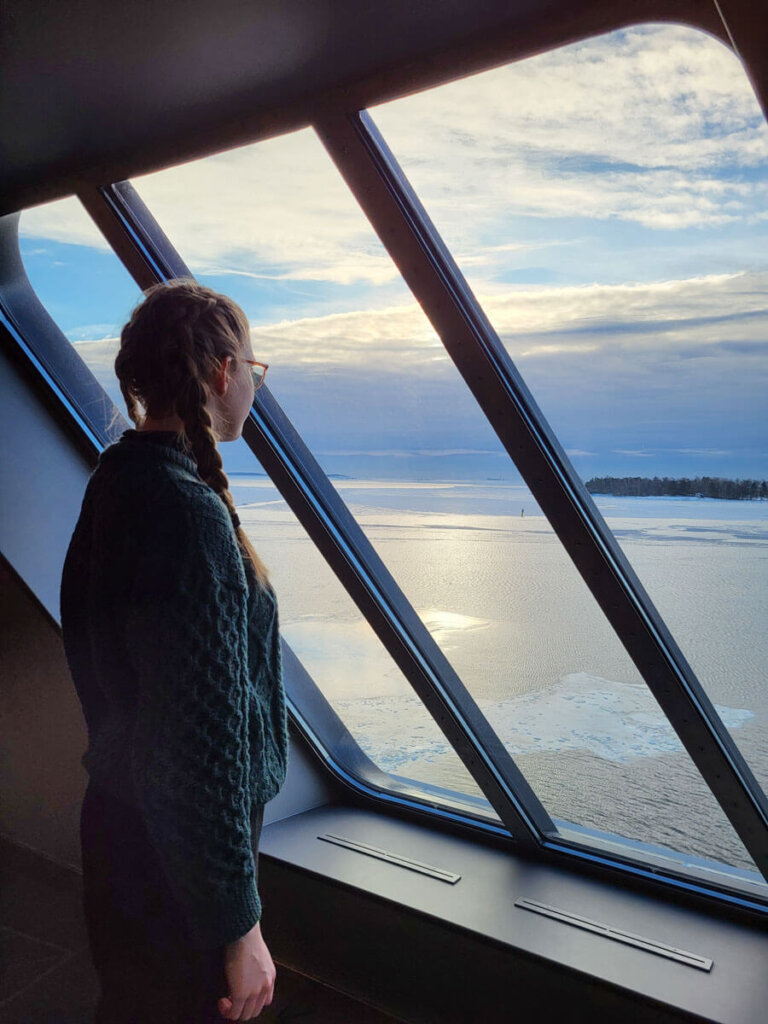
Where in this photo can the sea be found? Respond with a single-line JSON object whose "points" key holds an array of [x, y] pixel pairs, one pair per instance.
{"points": [[492, 583]]}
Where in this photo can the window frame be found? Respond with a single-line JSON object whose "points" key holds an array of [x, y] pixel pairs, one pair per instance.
{"points": [[383, 192]]}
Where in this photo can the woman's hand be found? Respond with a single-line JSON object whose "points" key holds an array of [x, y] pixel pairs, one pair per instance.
{"points": [[250, 974]]}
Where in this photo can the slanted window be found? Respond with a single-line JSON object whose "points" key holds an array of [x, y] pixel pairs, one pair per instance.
{"points": [[606, 203], [603, 200]]}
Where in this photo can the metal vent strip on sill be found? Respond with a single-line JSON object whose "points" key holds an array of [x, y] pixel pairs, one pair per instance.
{"points": [[393, 858], [702, 963]]}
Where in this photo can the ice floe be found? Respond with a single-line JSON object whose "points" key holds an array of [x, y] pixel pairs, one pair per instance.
{"points": [[609, 719]]}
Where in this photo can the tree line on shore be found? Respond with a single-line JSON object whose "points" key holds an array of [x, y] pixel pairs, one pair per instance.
{"points": [[698, 487]]}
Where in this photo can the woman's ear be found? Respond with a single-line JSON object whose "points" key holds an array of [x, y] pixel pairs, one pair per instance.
{"points": [[220, 380]]}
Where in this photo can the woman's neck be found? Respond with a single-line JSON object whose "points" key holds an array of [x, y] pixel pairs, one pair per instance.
{"points": [[173, 423]]}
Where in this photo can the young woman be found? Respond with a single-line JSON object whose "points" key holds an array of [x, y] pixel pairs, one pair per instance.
{"points": [[171, 633]]}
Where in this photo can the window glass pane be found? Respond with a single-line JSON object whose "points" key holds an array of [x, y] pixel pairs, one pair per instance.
{"points": [[358, 369], [342, 653], [80, 281], [607, 203]]}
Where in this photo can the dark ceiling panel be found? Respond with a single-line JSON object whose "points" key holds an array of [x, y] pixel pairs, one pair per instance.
{"points": [[94, 91]]}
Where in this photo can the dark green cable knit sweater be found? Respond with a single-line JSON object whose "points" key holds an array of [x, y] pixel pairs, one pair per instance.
{"points": [[175, 654]]}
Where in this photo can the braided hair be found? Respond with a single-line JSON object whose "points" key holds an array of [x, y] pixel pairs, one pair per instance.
{"points": [[169, 352]]}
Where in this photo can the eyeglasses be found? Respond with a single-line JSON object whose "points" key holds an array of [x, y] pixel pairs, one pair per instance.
{"points": [[258, 372]]}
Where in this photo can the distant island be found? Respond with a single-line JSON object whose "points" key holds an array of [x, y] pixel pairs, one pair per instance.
{"points": [[698, 487]]}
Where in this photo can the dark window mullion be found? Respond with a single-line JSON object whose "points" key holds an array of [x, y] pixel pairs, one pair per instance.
{"points": [[133, 233], [395, 212], [344, 545], [149, 256]]}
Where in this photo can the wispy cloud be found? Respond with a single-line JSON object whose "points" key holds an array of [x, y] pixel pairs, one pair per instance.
{"points": [[656, 125], [702, 311], [696, 315], [702, 451], [437, 453], [92, 333], [383, 380], [62, 221], [677, 317], [558, 349]]}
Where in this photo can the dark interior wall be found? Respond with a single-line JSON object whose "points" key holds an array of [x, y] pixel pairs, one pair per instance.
{"points": [[42, 731]]}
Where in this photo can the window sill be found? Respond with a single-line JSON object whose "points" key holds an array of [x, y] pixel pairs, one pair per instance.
{"points": [[373, 924]]}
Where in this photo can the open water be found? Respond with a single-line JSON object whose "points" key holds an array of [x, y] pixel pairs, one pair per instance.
{"points": [[493, 585]]}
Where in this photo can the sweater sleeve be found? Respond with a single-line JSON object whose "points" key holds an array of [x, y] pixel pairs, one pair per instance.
{"points": [[187, 632], [73, 607]]}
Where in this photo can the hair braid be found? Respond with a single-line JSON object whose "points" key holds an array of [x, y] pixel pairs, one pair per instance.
{"points": [[198, 428], [169, 349]]}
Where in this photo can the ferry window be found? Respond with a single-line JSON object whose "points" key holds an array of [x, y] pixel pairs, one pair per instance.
{"points": [[371, 390], [80, 281], [607, 204], [343, 655]]}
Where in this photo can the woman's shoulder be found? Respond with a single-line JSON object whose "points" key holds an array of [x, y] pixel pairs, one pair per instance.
{"points": [[148, 468], [152, 490]]}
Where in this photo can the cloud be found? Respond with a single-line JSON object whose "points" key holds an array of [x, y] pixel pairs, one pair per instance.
{"points": [[62, 221], [388, 342], [410, 452], [90, 333], [674, 320], [391, 363], [558, 349], [277, 209], [379, 382], [702, 451], [657, 125], [697, 314]]}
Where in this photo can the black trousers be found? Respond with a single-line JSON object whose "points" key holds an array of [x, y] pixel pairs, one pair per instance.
{"points": [[149, 971]]}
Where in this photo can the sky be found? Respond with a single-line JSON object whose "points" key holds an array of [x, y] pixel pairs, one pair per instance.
{"points": [[607, 203]]}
